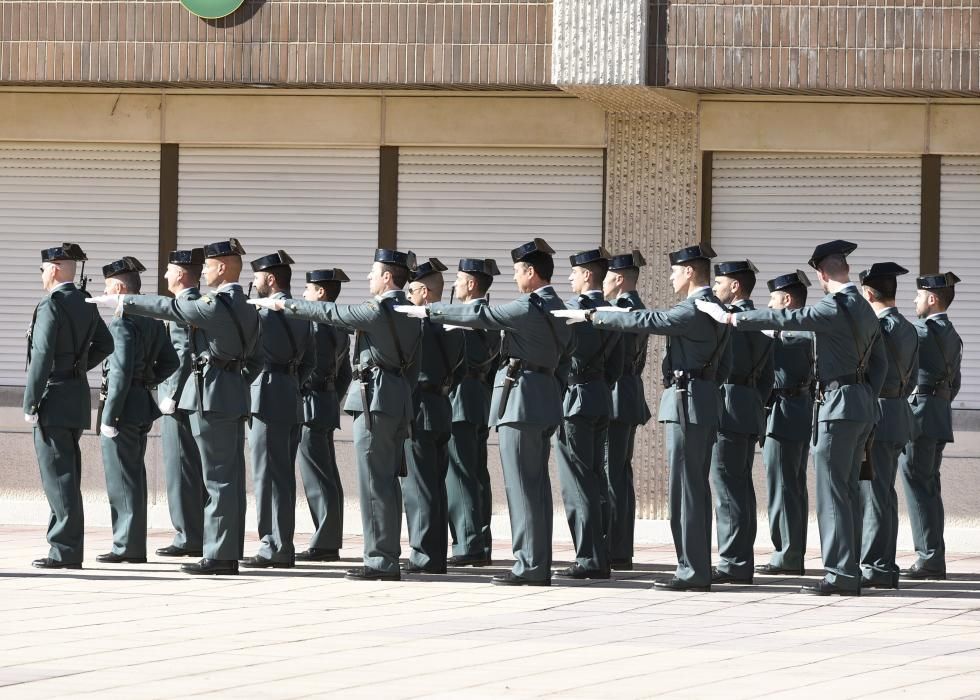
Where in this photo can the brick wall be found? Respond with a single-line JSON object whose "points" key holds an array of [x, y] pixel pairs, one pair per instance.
{"points": [[832, 46], [292, 42]]}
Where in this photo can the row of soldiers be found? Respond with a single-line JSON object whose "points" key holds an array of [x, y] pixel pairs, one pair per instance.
{"points": [[427, 393]]}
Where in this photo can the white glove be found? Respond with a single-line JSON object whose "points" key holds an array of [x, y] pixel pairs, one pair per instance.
{"points": [[167, 406], [572, 315], [108, 431], [109, 301], [32, 419], [267, 303], [412, 310], [450, 327], [712, 309], [769, 333], [617, 309]]}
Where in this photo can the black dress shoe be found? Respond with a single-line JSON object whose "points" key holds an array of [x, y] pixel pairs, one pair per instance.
{"points": [[366, 573], [675, 584], [771, 570], [881, 582], [917, 573], [719, 576], [410, 568], [468, 560], [211, 567], [175, 551], [260, 562], [317, 554], [824, 587], [512, 579], [112, 558], [580, 572], [621, 564], [48, 563]]}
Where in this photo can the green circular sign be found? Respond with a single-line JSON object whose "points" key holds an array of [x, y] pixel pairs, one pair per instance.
{"points": [[212, 9]]}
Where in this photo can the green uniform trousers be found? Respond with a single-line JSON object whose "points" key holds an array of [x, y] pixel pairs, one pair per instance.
{"points": [[185, 480], [379, 453], [321, 482], [735, 505], [221, 443], [125, 479], [789, 506], [468, 490], [879, 538], [689, 457], [60, 462], [424, 491], [923, 490], [524, 450], [580, 451], [837, 462], [274, 447], [621, 493]]}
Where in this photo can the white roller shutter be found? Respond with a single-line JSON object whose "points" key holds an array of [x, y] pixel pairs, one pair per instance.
{"points": [[959, 251], [103, 197], [774, 208], [318, 204], [464, 202]]}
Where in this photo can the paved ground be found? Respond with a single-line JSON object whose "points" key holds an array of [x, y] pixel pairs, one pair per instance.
{"points": [[144, 631]]}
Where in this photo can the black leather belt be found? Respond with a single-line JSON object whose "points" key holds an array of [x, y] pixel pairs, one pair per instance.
{"points": [[62, 375], [585, 377], [895, 393], [366, 369], [940, 391], [287, 368], [838, 382], [791, 391], [433, 388], [740, 380], [226, 365], [322, 385], [688, 374], [531, 367]]}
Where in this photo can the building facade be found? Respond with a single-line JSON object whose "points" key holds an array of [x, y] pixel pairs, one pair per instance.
{"points": [[464, 127]]}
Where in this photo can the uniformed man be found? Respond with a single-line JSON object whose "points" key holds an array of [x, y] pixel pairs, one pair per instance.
{"points": [[66, 339], [276, 418], [788, 427], [526, 404], [183, 472], [851, 366], [229, 332], [321, 414], [936, 385], [385, 351], [468, 487], [893, 431], [744, 394], [580, 443], [629, 409], [427, 450], [142, 356], [694, 361]]}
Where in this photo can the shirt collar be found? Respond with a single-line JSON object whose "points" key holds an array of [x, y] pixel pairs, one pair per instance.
{"points": [[844, 286], [887, 310], [699, 291], [61, 286], [937, 315], [541, 289], [475, 301], [185, 292], [227, 287], [390, 294]]}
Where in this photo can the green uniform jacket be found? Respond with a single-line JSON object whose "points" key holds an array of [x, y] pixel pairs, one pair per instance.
{"points": [[67, 338], [275, 396], [180, 338], [375, 350], [940, 355], [629, 403], [223, 391], [142, 356], [473, 383], [790, 417], [902, 344], [441, 355], [694, 343], [836, 350], [321, 404], [536, 396], [746, 389], [591, 349]]}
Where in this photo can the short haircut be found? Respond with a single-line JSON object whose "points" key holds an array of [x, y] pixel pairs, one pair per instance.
{"points": [[543, 264], [797, 292], [193, 271], [746, 281], [833, 265], [483, 282], [399, 274], [882, 288], [945, 295], [131, 279], [331, 289], [630, 274], [283, 275], [598, 268], [700, 266]]}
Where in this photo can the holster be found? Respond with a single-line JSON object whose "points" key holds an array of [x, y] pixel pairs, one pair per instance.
{"points": [[681, 389], [363, 380], [867, 468], [513, 369]]}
